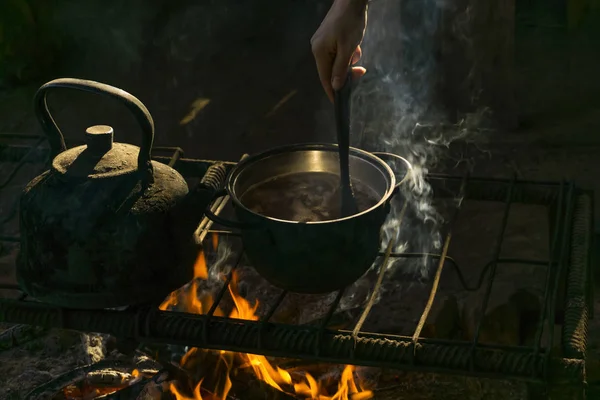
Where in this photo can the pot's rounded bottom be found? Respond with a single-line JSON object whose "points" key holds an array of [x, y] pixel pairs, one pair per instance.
{"points": [[313, 259], [315, 273]]}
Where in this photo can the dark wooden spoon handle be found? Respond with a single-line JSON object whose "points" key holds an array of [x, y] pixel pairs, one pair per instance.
{"points": [[342, 121]]}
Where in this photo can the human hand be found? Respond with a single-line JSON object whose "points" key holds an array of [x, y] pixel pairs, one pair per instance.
{"points": [[336, 44]]}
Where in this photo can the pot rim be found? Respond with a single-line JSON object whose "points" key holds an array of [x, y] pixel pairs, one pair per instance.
{"points": [[323, 147]]}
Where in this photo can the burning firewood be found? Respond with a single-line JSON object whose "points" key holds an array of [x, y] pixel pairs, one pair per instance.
{"points": [[207, 374], [104, 378], [221, 375], [105, 384], [249, 377]]}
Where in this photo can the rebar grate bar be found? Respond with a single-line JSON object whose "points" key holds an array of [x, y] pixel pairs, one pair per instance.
{"points": [[562, 261], [20, 159], [264, 320], [553, 248], [417, 333], [150, 325], [492, 275]]}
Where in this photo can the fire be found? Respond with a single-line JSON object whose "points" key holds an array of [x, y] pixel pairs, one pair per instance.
{"points": [[200, 270], [191, 302], [86, 389], [302, 387], [179, 396]]}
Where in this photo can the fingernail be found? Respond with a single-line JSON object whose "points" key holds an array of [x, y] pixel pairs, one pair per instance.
{"points": [[337, 83]]}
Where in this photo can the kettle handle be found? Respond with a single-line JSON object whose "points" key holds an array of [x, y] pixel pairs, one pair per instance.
{"points": [[55, 136]]}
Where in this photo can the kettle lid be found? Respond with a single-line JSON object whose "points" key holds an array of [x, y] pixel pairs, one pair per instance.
{"points": [[98, 158]]}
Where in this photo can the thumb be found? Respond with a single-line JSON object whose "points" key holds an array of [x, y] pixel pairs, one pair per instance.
{"points": [[340, 70]]}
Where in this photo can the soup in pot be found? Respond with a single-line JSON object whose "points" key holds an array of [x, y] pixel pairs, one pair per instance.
{"points": [[305, 197]]}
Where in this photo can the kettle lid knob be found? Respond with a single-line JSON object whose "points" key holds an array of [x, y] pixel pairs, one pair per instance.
{"points": [[99, 139]]}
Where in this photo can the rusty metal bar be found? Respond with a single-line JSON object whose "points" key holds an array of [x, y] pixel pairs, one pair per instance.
{"points": [[492, 275], [274, 306], [150, 325], [177, 154], [438, 274], [553, 256], [334, 305], [323, 326], [375, 291], [20, 164], [494, 189], [433, 292], [267, 317], [562, 260], [452, 263], [574, 329], [224, 288], [219, 297]]}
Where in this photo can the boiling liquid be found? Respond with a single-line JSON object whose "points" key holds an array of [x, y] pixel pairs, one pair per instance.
{"points": [[305, 197]]}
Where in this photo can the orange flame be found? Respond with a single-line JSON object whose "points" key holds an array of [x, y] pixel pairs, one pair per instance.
{"points": [[307, 387], [179, 396], [215, 241], [200, 269]]}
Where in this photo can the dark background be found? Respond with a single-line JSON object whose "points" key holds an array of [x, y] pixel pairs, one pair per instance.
{"points": [[243, 56], [535, 63]]}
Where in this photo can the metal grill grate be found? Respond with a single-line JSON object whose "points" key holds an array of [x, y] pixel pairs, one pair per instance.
{"points": [[568, 269]]}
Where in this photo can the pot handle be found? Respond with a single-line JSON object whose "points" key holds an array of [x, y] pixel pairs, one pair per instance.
{"points": [[407, 167], [137, 108], [224, 221]]}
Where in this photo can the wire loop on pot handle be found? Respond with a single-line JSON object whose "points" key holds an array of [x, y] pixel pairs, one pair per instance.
{"points": [[224, 221], [401, 177]]}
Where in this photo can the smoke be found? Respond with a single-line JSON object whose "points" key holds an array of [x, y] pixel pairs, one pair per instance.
{"points": [[397, 109], [222, 263]]}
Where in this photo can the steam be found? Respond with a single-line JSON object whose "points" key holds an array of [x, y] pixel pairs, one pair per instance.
{"points": [[396, 109], [222, 264]]}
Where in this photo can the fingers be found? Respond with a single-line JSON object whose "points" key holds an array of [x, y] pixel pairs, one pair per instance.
{"points": [[333, 68], [340, 69], [357, 55], [358, 72]]}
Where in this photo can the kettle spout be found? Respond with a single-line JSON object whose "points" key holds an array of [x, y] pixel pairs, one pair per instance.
{"points": [[190, 211]]}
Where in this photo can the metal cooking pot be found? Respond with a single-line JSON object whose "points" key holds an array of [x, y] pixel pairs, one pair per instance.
{"points": [[312, 257]]}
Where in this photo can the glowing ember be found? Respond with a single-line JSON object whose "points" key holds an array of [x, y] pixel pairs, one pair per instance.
{"points": [[86, 389], [73, 392], [302, 386]]}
